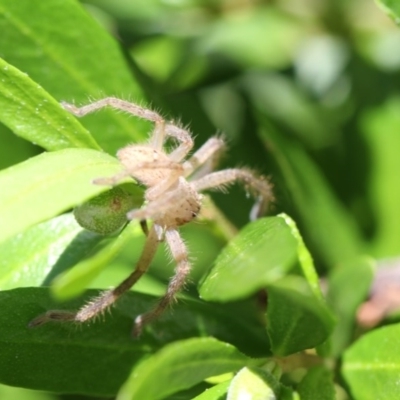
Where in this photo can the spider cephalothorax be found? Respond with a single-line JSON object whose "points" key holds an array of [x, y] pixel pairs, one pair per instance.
{"points": [[173, 186]]}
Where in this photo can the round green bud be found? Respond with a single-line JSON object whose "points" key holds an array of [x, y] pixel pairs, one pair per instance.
{"points": [[106, 214]]}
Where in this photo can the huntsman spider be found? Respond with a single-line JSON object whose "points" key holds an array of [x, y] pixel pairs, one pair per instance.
{"points": [[173, 183]]}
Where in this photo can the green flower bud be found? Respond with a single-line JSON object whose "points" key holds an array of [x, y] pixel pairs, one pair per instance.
{"points": [[106, 214]]}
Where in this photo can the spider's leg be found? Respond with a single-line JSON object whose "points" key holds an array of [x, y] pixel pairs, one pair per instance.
{"points": [[180, 255], [161, 129], [118, 104], [260, 187], [162, 204], [112, 180], [183, 137], [99, 304], [205, 157]]}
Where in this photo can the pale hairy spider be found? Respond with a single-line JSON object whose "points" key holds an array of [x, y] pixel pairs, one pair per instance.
{"points": [[173, 185]]}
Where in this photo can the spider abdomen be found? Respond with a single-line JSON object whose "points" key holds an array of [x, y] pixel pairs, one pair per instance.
{"points": [[184, 208]]}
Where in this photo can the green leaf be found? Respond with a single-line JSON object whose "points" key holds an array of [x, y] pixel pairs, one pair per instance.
{"points": [[253, 383], [30, 112], [96, 358], [74, 281], [391, 8], [49, 184], [349, 285], [287, 393], [47, 248], [306, 263], [381, 127], [330, 227], [9, 392], [179, 366], [47, 358], [260, 257], [296, 111], [236, 35], [67, 52], [14, 149], [317, 384], [217, 392], [297, 315], [296, 318], [371, 366], [260, 254]]}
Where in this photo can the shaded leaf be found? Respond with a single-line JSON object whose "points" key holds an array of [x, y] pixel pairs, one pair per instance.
{"points": [[371, 366], [332, 230], [317, 384], [349, 285], [179, 366], [97, 358], [236, 35], [14, 149], [60, 357], [297, 315], [296, 319], [49, 184]]}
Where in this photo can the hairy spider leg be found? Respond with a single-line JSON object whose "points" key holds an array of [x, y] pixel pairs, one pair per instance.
{"points": [[107, 298], [113, 102], [161, 128], [183, 137], [261, 188], [180, 255], [205, 157]]}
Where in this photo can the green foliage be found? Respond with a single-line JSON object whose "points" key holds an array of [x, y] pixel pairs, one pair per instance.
{"points": [[305, 93], [371, 365], [36, 188]]}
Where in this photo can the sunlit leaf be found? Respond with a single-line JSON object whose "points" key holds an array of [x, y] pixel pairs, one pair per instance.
{"points": [[381, 127], [179, 366], [253, 383], [371, 366], [391, 7], [262, 253], [48, 248], [49, 184], [217, 392], [30, 112]]}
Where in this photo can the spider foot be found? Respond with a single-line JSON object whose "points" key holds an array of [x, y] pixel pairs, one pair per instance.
{"points": [[105, 181], [138, 326], [52, 315]]}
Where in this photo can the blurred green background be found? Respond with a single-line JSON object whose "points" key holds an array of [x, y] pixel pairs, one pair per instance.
{"points": [[303, 90]]}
